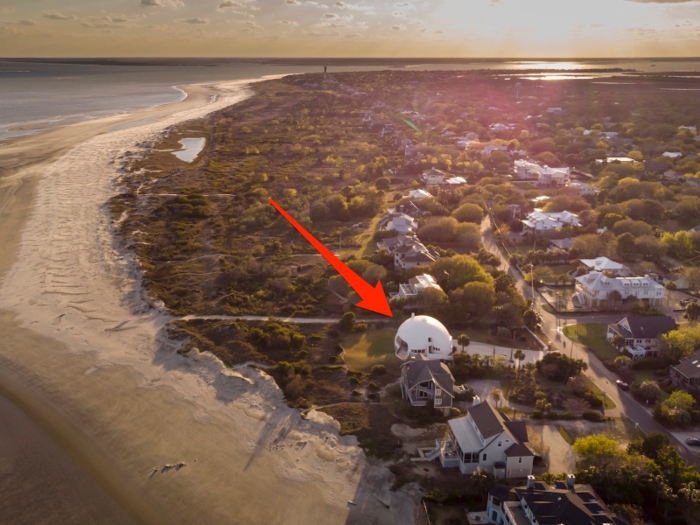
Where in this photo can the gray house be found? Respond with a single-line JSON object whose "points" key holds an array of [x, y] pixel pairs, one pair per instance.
{"points": [[686, 374], [423, 380]]}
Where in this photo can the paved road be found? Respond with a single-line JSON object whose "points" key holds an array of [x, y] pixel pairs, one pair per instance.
{"points": [[601, 376]]}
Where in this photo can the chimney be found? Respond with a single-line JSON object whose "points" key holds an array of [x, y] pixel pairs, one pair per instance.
{"points": [[530, 482], [476, 400], [571, 481]]}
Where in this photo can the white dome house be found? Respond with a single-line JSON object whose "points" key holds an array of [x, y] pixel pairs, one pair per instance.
{"points": [[423, 335]]}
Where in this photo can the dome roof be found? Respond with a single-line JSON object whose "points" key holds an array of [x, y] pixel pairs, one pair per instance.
{"points": [[416, 331]]}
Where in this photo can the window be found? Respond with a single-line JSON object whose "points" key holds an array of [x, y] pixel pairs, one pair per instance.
{"points": [[520, 460], [500, 443], [483, 458]]}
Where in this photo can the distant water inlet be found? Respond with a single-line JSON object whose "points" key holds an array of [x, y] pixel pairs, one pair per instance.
{"points": [[190, 149]]}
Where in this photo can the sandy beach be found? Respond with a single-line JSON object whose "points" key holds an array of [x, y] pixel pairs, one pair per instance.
{"points": [[157, 437]]}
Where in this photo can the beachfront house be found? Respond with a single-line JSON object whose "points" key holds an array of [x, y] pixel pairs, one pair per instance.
{"points": [[603, 264], [419, 194], [537, 503], [582, 188], [595, 288], [641, 333], [424, 380], [486, 440], [538, 222], [423, 335]]}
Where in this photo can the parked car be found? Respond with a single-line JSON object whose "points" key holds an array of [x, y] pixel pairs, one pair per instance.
{"points": [[686, 302], [693, 442], [622, 384]]}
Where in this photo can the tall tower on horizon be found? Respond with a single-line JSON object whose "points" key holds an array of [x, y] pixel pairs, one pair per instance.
{"points": [[325, 68]]}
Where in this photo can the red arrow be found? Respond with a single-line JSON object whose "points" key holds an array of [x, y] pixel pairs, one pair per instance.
{"points": [[373, 298]]}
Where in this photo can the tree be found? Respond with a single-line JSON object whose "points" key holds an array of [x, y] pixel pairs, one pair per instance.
{"points": [[618, 341], [519, 355], [626, 246], [622, 361], [374, 273], [532, 319], [463, 340], [692, 312], [347, 323], [454, 272], [469, 213], [682, 342], [576, 405], [650, 391], [496, 395], [475, 299], [615, 297], [600, 452], [382, 183]]}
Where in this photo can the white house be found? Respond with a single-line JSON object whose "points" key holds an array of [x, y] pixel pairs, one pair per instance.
{"points": [[582, 188], [541, 175], [615, 159], [540, 222], [423, 335], [594, 289], [672, 154], [433, 177], [400, 222], [488, 441], [419, 194], [417, 285], [423, 380], [641, 333], [556, 111], [603, 264]]}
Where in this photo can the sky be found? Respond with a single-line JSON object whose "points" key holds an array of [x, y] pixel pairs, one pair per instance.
{"points": [[350, 28]]}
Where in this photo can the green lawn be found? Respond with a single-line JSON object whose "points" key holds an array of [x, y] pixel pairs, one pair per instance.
{"points": [[643, 375], [592, 336], [365, 349]]}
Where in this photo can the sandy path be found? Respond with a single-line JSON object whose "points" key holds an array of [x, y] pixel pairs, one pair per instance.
{"points": [[120, 398]]}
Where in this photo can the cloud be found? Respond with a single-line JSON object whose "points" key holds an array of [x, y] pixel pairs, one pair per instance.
{"points": [[229, 3], [403, 5], [398, 28], [55, 15], [662, 1], [398, 14], [104, 22], [287, 23], [22, 23], [316, 5], [292, 2], [162, 3], [194, 21], [353, 7], [253, 25]]}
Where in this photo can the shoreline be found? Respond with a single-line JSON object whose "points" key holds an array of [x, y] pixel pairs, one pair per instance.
{"points": [[78, 345]]}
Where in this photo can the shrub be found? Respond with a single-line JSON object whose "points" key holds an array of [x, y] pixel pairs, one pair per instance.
{"points": [[378, 370], [536, 414], [592, 415], [354, 380], [359, 327], [372, 395], [373, 386], [356, 393]]}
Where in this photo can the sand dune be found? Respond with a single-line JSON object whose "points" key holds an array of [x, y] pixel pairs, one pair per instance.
{"points": [[171, 438]]}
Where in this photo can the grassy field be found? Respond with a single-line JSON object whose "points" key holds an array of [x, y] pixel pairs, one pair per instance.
{"points": [[608, 403], [366, 349], [592, 336]]}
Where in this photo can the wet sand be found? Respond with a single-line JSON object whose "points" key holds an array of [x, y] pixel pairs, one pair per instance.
{"points": [[110, 389]]}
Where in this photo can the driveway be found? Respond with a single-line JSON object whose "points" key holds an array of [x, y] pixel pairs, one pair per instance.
{"points": [[558, 454]]}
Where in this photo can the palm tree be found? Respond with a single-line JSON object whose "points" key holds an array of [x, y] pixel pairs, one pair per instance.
{"points": [[519, 356], [530, 367], [496, 395], [463, 340]]}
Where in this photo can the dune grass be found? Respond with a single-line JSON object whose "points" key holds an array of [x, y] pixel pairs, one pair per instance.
{"points": [[365, 349]]}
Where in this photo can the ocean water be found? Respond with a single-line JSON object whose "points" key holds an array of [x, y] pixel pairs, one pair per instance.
{"points": [[37, 96]]}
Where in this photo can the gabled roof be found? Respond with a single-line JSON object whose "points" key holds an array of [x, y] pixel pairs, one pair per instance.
{"points": [[518, 450], [649, 326], [487, 420], [602, 263], [423, 369], [518, 429]]}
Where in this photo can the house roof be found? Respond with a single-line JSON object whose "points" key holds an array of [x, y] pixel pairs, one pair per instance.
{"points": [[650, 326], [598, 281], [488, 421], [690, 365], [423, 369], [518, 450], [563, 506], [602, 263], [518, 429]]}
